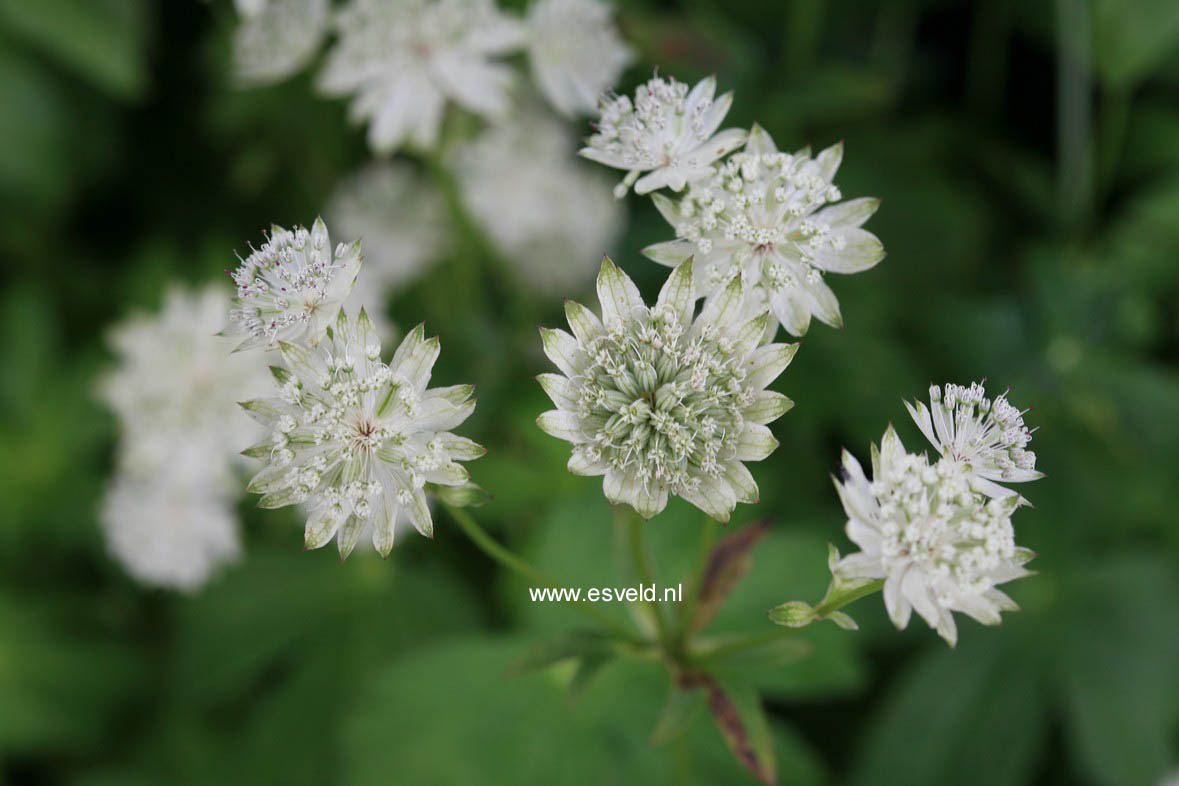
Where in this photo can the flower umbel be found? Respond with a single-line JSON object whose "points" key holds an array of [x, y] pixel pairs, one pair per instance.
{"points": [[663, 404], [292, 287], [575, 52], [356, 439], [549, 214], [939, 545], [667, 131], [277, 37], [774, 216], [404, 60], [987, 438]]}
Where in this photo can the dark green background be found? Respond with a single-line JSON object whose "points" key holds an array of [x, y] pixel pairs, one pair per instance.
{"points": [[1027, 155]]}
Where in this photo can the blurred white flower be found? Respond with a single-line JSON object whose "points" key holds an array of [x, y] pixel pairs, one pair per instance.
{"points": [[663, 404], [176, 385], [667, 131], [277, 37], [771, 215], [168, 515], [169, 530], [292, 287], [548, 215], [404, 60], [402, 222], [987, 438], [575, 51], [358, 440], [939, 546]]}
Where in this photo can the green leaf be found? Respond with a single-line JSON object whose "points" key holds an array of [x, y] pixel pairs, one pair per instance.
{"points": [[102, 41], [737, 711], [729, 562], [1132, 38]]}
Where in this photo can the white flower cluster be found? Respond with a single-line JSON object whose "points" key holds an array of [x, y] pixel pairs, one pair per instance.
{"points": [[661, 403], [356, 439], [776, 216], [939, 545], [668, 131], [987, 438], [403, 62], [542, 210], [168, 516], [292, 287], [277, 37], [403, 222], [575, 52]]}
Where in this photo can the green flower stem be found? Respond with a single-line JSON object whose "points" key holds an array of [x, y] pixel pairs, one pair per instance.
{"points": [[833, 602], [840, 598], [504, 556], [643, 569]]}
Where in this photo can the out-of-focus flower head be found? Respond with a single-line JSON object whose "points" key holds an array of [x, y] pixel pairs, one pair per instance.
{"points": [[277, 37], [402, 223], [403, 61], [550, 218], [575, 51]]}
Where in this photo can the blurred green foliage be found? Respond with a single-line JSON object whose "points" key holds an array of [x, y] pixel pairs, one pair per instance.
{"points": [[129, 160]]}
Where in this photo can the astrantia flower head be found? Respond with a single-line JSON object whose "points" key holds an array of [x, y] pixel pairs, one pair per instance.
{"points": [[169, 531], [663, 404], [277, 37], [575, 52], [549, 214], [404, 60], [668, 131], [939, 545], [292, 287], [356, 439], [987, 438], [772, 215]]}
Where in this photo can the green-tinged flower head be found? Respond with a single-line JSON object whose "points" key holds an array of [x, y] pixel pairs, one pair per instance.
{"points": [[939, 545], [356, 439], [661, 403], [777, 217], [292, 287], [988, 438]]}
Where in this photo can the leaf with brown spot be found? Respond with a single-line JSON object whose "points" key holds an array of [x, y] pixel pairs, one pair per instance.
{"points": [[739, 716], [727, 565]]}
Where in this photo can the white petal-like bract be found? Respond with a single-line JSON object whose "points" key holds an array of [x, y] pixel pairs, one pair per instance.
{"points": [[575, 52]]}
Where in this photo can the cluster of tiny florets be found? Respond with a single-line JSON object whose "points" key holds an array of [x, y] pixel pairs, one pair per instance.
{"points": [[291, 286], [988, 437], [778, 218], [667, 130], [276, 38], [932, 519], [661, 403], [356, 439], [665, 402]]}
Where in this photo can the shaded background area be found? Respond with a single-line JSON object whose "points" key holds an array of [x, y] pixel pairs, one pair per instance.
{"points": [[1027, 155]]}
